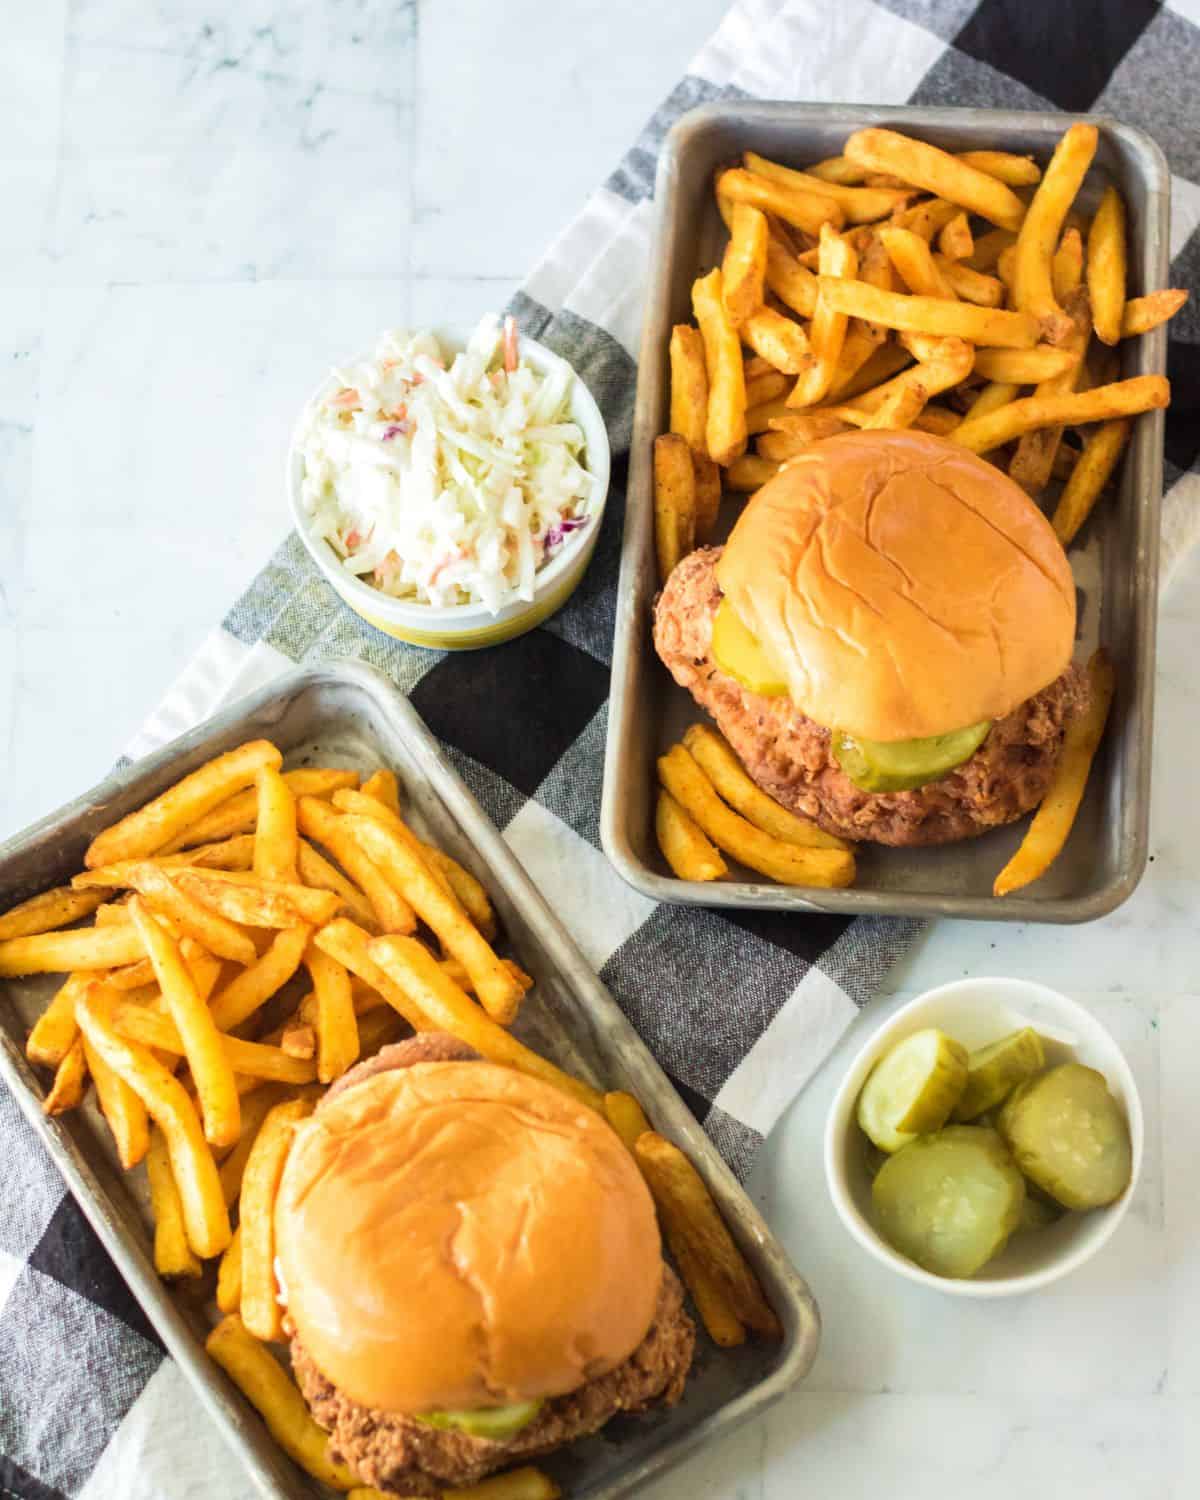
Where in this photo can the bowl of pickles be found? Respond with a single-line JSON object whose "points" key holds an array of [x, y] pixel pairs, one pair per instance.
{"points": [[987, 1140]]}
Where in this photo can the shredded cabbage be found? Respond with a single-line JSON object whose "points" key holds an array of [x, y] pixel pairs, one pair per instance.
{"points": [[442, 484]]}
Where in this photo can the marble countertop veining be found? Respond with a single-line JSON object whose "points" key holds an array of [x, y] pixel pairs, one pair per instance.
{"points": [[205, 202]]}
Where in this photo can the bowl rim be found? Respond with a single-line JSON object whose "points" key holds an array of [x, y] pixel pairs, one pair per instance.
{"points": [[854, 1076], [576, 551]]}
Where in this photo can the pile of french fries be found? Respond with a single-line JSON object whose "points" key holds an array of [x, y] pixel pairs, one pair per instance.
{"points": [[899, 285], [253, 934]]}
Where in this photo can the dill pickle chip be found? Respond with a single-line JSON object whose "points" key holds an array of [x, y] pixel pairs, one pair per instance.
{"points": [[1038, 1212], [995, 1070], [912, 1088], [1069, 1136], [949, 1201]]}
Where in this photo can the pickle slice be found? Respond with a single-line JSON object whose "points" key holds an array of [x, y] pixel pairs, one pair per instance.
{"points": [[739, 653], [949, 1201], [903, 765], [993, 1071], [912, 1088], [1069, 1136], [496, 1422], [1038, 1212]]}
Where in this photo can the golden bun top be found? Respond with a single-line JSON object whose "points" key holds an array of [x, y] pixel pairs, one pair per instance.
{"points": [[903, 586], [457, 1235]]}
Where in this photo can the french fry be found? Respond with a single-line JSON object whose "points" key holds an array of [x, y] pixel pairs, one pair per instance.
{"points": [[239, 814], [838, 169], [321, 822], [1066, 269], [1121, 399], [146, 831], [689, 387], [192, 1019], [248, 1060], [968, 284], [708, 495], [298, 1039], [470, 893], [1006, 269], [935, 315], [1025, 366], [350, 945], [229, 1275], [276, 841], [204, 1213], [384, 787], [173, 1256], [498, 993], [65, 952], [674, 502], [48, 912], [70, 1080], [887, 360], [316, 871], [937, 172], [1106, 258], [837, 259], [794, 284], [414, 969], [991, 397], [766, 387], [778, 446], [691, 1216], [213, 931], [1052, 823], [989, 247], [796, 206], [749, 473], [132, 977], [257, 1104], [1091, 473], [1016, 171], [685, 847], [626, 1117], [336, 1027], [123, 1110], [860, 205], [1033, 462], [947, 363], [955, 240], [261, 1313], [744, 267], [913, 259], [253, 987], [787, 863], [1144, 313], [234, 853], [725, 427], [253, 901], [1033, 284], [927, 218], [380, 1028], [901, 409], [55, 1031], [265, 1384], [779, 340]]}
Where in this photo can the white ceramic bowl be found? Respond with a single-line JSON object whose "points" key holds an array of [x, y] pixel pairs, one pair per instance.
{"points": [[459, 627], [974, 1012]]}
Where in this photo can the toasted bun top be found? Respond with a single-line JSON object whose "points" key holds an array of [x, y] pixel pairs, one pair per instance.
{"points": [[458, 1235], [903, 586]]}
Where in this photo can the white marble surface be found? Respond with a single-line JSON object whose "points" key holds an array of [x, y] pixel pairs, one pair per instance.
{"points": [[203, 203]]}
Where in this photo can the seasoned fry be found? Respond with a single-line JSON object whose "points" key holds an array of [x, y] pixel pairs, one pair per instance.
{"points": [[146, 831], [317, 872], [838, 169], [1091, 473], [261, 1313], [912, 258], [70, 1080], [411, 965], [955, 239], [1122, 398], [780, 340], [319, 821], [794, 284], [887, 360], [787, 863], [47, 912], [350, 945], [1066, 270], [239, 814], [992, 397], [927, 218], [265, 1384], [229, 1275], [384, 787], [937, 172], [298, 1039], [749, 473], [947, 363], [173, 1256], [138, 1023], [980, 325], [1033, 285], [1025, 366], [1106, 258], [55, 1030], [336, 1027], [685, 847], [691, 1217], [860, 205], [470, 893], [708, 496], [626, 1117], [765, 387], [1033, 462], [781, 444], [689, 387], [674, 502], [123, 1110], [837, 260], [192, 1019], [796, 206], [1016, 171], [1144, 313], [253, 987], [204, 1213], [725, 428], [276, 842], [1052, 823], [213, 931], [989, 247], [745, 265], [254, 901], [234, 853], [257, 1103], [968, 284], [64, 952]]}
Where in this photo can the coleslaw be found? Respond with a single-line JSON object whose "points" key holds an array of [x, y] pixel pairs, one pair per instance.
{"points": [[446, 483]]}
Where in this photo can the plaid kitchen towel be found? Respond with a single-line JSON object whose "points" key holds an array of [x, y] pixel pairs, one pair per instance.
{"points": [[525, 723]]}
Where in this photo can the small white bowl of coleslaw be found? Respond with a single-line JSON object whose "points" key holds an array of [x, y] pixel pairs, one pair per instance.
{"points": [[451, 490]]}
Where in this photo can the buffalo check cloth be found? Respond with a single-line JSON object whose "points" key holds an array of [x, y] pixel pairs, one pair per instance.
{"points": [[89, 1404]]}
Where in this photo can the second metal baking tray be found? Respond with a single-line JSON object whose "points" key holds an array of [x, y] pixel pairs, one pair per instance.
{"points": [[1115, 559], [349, 714]]}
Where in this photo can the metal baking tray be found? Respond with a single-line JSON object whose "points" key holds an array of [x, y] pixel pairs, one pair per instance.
{"points": [[1115, 559], [349, 714]]}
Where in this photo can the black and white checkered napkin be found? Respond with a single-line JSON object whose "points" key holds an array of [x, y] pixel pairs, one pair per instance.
{"points": [[89, 1405]]}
